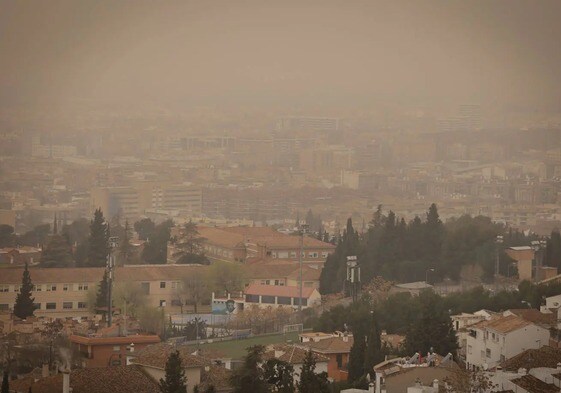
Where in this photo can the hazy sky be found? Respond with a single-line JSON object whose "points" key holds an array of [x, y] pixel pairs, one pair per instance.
{"points": [[501, 52]]}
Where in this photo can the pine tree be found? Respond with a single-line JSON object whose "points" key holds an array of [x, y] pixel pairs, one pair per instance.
{"points": [[356, 356], [310, 382], [175, 380], [250, 377], [98, 244], [102, 292], [279, 374], [56, 253], [24, 306]]}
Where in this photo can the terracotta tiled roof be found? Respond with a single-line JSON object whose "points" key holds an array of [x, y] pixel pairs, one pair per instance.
{"points": [[277, 290], [219, 237], [122, 379], [308, 274], [216, 376], [504, 324], [546, 356], [136, 339], [535, 316], [157, 356], [266, 270], [535, 385], [331, 345], [95, 274], [291, 354]]}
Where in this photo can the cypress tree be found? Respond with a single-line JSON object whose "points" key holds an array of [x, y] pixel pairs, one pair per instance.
{"points": [[175, 380], [250, 377], [98, 244], [310, 382], [125, 248], [373, 354], [102, 292], [24, 306]]}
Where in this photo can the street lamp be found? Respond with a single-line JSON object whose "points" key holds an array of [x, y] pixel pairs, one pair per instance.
{"points": [[538, 246], [427, 274]]}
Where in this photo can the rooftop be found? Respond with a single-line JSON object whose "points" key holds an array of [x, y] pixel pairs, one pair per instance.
{"points": [[122, 379], [331, 345], [503, 324], [535, 385], [546, 356], [157, 355], [290, 353]]}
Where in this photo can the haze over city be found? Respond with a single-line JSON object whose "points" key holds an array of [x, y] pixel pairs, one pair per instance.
{"points": [[280, 196]]}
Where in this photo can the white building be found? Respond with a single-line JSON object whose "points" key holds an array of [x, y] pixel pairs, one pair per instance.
{"points": [[491, 342], [461, 324]]}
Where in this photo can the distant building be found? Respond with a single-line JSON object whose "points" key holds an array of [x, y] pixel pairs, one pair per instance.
{"points": [[524, 257], [337, 349]]}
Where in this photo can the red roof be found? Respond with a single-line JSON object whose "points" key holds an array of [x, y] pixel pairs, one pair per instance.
{"points": [[136, 339], [277, 290]]}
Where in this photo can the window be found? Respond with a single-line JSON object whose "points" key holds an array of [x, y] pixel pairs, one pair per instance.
{"points": [[174, 285], [162, 284], [38, 288], [268, 282], [252, 298], [292, 254], [145, 286], [82, 287], [37, 306], [470, 348], [281, 283], [284, 300], [488, 352], [51, 287], [324, 254], [276, 282], [313, 254], [339, 361], [268, 299], [162, 303], [51, 306], [4, 288], [263, 282], [4, 307], [308, 284], [65, 287], [67, 305], [82, 305], [16, 288]]}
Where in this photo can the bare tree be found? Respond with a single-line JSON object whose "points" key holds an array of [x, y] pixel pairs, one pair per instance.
{"points": [[227, 277]]}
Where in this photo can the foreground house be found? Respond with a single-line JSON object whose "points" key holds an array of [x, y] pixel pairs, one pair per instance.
{"points": [[491, 342], [336, 349], [295, 355], [153, 358], [122, 379]]}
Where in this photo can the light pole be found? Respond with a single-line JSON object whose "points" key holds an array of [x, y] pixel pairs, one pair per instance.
{"points": [[353, 275], [113, 242], [427, 275], [302, 230], [538, 246]]}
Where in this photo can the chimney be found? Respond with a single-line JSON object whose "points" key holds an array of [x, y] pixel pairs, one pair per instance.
{"points": [[345, 337], [558, 366], [371, 387], [378, 382], [44, 370], [65, 381], [435, 384]]}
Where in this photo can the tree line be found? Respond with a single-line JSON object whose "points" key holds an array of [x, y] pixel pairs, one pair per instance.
{"points": [[84, 243], [403, 251]]}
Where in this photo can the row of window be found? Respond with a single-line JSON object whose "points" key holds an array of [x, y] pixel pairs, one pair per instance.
{"points": [[47, 287], [52, 306], [288, 301], [280, 283]]}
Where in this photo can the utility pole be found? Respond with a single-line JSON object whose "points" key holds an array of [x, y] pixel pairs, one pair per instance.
{"points": [[302, 230], [498, 241], [353, 276], [113, 242]]}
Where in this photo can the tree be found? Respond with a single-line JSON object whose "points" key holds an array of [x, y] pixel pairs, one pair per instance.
{"points": [[310, 382], [195, 289], [433, 330], [125, 248], [5, 383], [36, 236], [102, 292], [373, 353], [145, 228], [175, 380], [7, 236], [250, 377], [24, 306], [280, 375], [98, 242], [130, 297], [56, 253], [156, 248], [226, 276], [189, 245]]}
